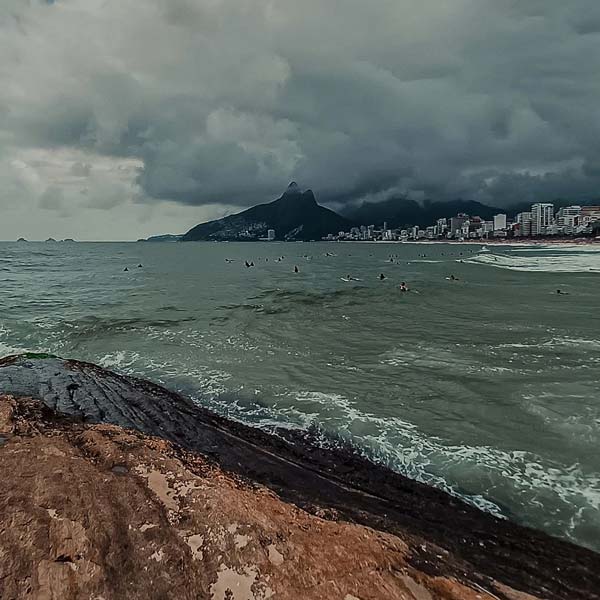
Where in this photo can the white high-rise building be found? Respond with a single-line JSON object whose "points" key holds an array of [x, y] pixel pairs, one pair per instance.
{"points": [[499, 222], [568, 216], [542, 216]]}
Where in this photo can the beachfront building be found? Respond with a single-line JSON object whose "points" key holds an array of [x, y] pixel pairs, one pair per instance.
{"points": [[456, 224], [271, 235], [542, 217], [499, 222], [488, 226], [523, 228], [589, 215]]}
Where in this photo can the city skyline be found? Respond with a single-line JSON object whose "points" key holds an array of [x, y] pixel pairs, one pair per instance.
{"points": [[540, 221]]}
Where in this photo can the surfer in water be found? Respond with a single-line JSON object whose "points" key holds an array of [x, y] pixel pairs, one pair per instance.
{"points": [[404, 287], [381, 276], [296, 269]]}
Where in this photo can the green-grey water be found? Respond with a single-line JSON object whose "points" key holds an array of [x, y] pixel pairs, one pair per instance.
{"points": [[487, 386]]}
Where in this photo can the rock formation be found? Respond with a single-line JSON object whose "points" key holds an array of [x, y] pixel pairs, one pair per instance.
{"points": [[185, 504]]}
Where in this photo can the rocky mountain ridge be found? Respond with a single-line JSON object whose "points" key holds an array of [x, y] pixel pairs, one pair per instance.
{"points": [[295, 216]]}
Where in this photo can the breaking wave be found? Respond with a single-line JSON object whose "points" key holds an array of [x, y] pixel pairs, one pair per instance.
{"points": [[565, 260]]}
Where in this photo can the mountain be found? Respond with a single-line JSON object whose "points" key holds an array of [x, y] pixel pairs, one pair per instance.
{"points": [[400, 212], [294, 216]]}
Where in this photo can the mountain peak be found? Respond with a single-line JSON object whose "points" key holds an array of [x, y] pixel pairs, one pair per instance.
{"points": [[293, 188], [295, 215]]}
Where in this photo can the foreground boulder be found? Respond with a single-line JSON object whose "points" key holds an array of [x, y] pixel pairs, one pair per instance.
{"points": [[189, 505]]}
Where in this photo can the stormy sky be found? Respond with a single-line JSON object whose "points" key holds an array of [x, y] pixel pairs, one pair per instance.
{"points": [[125, 118]]}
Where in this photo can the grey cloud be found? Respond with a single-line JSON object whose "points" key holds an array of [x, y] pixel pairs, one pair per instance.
{"points": [[52, 199], [224, 103], [81, 169]]}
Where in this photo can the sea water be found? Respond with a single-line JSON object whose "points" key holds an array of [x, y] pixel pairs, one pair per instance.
{"points": [[487, 386]]}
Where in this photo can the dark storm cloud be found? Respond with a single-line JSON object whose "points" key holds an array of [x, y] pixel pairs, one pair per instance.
{"points": [[225, 102]]}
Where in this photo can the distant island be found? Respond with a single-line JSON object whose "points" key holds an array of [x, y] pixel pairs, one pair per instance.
{"points": [[295, 216]]}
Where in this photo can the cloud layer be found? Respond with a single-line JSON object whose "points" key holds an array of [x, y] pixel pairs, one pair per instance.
{"points": [[168, 112]]}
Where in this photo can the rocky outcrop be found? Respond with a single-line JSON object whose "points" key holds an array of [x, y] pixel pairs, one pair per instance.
{"points": [[95, 511], [186, 504]]}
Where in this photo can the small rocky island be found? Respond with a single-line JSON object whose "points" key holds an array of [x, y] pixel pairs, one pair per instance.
{"points": [[114, 487]]}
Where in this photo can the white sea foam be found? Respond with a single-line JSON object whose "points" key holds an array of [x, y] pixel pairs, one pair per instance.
{"points": [[7, 350], [559, 248], [554, 343], [555, 263], [401, 446], [120, 360], [6, 347]]}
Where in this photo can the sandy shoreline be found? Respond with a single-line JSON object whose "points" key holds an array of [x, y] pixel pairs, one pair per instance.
{"points": [[525, 244]]}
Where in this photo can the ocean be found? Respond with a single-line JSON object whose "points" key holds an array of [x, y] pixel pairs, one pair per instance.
{"points": [[487, 386]]}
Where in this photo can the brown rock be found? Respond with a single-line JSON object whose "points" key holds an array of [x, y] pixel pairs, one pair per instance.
{"points": [[96, 511]]}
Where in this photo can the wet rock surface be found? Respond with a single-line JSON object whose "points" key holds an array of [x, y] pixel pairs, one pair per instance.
{"points": [[85, 503]]}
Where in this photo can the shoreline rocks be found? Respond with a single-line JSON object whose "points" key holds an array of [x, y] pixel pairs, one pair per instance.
{"points": [[114, 481]]}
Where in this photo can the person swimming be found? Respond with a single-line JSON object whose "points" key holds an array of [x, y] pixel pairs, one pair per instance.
{"points": [[296, 269], [404, 287], [247, 264], [560, 292], [125, 269], [381, 276], [140, 266]]}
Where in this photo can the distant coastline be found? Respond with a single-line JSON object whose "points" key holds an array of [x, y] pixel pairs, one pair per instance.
{"points": [[495, 242]]}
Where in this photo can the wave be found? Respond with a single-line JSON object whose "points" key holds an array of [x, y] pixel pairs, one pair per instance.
{"points": [[556, 341], [92, 326], [425, 261], [558, 248], [8, 350], [561, 263], [400, 446], [478, 474]]}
